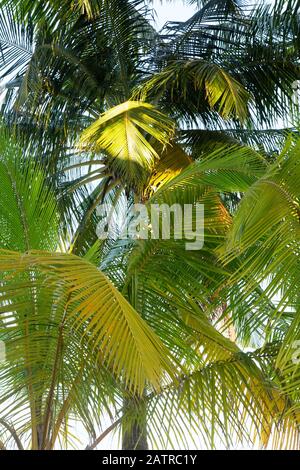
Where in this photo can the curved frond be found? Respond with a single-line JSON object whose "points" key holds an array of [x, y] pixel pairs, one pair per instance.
{"points": [[28, 210], [211, 83], [123, 133], [124, 342]]}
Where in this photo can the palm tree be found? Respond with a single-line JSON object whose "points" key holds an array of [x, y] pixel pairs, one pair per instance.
{"points": [[170, 298], [241, 293], [78, 344], [61, 319], [227, 65]]}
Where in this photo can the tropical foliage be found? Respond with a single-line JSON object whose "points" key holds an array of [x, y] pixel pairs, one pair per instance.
{"points": [[175, 347]]}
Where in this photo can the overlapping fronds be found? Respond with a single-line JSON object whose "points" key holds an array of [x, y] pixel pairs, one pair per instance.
{"points": [[55, 312], [254, 45], [269, 142], [273, 199], [123, 132], [28, 216], [15, 45], [213, 85], [226, 403], [123, 340], [147, 327], [227, 169], [77, 51], [173, 159], [265, 237]]}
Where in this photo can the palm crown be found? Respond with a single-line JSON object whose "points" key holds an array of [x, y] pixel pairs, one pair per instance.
{"points": [[139, 329]]}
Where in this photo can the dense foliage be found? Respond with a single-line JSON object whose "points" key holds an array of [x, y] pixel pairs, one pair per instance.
{"points": [[174, 347]]}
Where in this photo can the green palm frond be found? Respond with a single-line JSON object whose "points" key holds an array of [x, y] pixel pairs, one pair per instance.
{"points": [[269, 142], [123, 133], [227, 169], [229, 402], [254, 46], [211, 83], [265, 239], [28, 215], [273, 199], [122, 339], [66, 81]]}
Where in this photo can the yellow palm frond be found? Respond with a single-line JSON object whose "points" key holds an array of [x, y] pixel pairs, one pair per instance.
{"points": [[124, 133]]}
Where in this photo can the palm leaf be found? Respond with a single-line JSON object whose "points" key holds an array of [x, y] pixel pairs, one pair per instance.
{"points": [[125, 342], [28, 216], [122, 132], [212, 83]]}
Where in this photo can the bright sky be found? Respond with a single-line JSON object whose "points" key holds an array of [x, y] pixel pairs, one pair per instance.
{"points": [[175, 10]]}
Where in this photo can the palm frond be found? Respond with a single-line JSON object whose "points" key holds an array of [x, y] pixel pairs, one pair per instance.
{"points": [[28, 212], [212, 86], [122, 133], [123, 340]]}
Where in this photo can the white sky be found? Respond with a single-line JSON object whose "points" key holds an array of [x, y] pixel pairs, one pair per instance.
{"points": [[175, 10]]}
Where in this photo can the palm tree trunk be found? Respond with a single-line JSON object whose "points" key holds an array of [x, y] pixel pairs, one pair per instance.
{"points": [[134, 422], [134, 428]]}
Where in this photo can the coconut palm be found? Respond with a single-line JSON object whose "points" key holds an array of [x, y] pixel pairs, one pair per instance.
{"points": [[67, 63], [142, 346], [176, 179], [61, 319], [78, 344]]}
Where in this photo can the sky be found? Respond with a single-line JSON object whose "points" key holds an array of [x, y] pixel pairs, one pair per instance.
{"points": [[172, 11]]}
